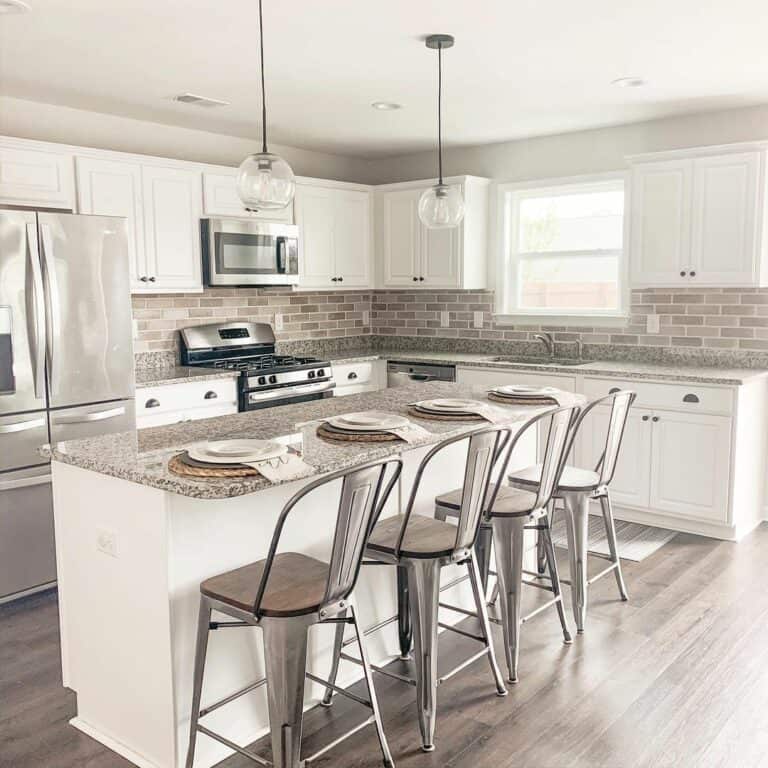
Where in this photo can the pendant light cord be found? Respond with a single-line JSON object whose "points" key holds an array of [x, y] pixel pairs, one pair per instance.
{"points": [[439, 110], [263, 89]]}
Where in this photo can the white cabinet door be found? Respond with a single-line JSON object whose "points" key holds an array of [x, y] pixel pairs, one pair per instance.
{"points": [[36, 178], [690, 467], [113, 188], [440, 257], [661, 222], [631, 484], [220, 198], [401, 238], [315, 214], [724, 229], [352, 238], [172, 210]]}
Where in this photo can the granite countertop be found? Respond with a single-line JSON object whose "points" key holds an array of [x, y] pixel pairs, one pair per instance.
{"points": [[142, 456], [179, 374], [616, 369]]}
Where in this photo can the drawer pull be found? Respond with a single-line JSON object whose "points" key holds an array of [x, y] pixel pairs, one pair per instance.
{"points": [[691, 399], [352, 375], [210, 395], [645, 418], [613, 390], [152, 403], [655, 418]]}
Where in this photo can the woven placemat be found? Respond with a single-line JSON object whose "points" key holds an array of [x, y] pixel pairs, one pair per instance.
{"points": [[178, 467], [522, 400], [443, 417], [339, 437]]}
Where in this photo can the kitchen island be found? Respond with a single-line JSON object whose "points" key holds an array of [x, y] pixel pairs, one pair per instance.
{"points": [[134, 541]]}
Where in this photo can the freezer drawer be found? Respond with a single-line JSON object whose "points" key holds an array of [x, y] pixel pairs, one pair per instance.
{"points": [[92, 420], [27, 551], [20, 438]]}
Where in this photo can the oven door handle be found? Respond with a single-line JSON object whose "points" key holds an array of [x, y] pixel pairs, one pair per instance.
{"points": [[281, 394]]}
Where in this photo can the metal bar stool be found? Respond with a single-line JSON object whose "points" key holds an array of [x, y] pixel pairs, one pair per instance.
{"points": [[423, 546], [508, 514], [577, 487], [287, 593]]}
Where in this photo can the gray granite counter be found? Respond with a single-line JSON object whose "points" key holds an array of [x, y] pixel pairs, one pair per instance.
{"points": [[142, 456], [179, 374]]}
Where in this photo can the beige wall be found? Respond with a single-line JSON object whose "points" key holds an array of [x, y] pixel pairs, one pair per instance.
{"points": [[581, 152], [48, 122]]}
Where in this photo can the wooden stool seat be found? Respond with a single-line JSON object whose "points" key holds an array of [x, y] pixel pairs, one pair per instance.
{"points": [[509, 501], [572, 479], [425, 537], [296, 586]]}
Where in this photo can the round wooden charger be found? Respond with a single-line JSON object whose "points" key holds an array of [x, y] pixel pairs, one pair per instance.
{"points": [[522, 400], [338, 437], [443, 417], [179, 467]]}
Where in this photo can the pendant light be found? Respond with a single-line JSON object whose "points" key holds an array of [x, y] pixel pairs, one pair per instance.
{"points": [[265, 181], [440, 206]]}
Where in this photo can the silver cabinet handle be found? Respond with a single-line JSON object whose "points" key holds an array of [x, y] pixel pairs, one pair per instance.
{"points": [[152, 279], [21, 426], [645, 418], [53, 306], [352, 375], [152, 403], [143, 278], [210, 395], [613, 390], [655, 418], [691, 398], [36, 313], [95, 416]]}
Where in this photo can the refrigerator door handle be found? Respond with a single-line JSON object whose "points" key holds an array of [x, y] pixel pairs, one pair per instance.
{"points": [[36, 313], [53, 305], [111, 413], [22, 426]]}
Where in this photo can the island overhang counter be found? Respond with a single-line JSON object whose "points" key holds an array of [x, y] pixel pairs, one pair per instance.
{"points": [[134, 541]]}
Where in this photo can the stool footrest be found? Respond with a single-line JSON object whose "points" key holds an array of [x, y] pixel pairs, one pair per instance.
{"points": [[456, 608], [320, 752], [340, 691], [451, 628], [471, 660], [235, 747], [232, 697], [380, 670]]}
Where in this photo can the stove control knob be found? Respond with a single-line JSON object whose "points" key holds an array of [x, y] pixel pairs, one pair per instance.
{"points": [[321, 372], [311, 375], [262, 380], [273, 379]]}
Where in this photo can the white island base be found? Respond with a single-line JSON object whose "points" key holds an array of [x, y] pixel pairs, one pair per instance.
{"points": [[130, 562]]}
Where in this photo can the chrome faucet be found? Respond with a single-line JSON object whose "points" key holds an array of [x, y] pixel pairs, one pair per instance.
{"points": [[547, 340]]}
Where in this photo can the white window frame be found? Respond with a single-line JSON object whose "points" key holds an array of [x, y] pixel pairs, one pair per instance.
{"points": [[508, 196]]}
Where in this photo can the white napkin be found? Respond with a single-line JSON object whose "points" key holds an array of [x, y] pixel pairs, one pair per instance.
{"points": [[287, 467], [411, 433]]}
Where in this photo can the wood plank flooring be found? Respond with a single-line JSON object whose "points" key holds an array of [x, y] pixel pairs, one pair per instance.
{"points": [[676, 677]]}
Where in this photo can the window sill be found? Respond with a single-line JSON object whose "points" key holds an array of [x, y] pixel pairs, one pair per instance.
{"points": [[581, 321]]}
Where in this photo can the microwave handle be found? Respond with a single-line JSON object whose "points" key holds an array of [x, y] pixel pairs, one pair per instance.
{"points": [[282, 255]]}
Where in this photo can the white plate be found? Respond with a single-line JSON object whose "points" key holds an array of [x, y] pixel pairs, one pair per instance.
{"points": [[269, 450], [238, 447], [522, 390], [368, 421], [450, 405]]}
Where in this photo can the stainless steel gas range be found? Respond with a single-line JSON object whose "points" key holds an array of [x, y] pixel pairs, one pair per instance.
{"points": [[266, 379]]}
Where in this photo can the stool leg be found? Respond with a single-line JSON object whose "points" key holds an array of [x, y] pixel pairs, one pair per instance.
{"points": [[610, 531], [577, 524], [508, 533], [482, 614], [554, 576], [338, 641], [203, 629], [386, 754], [483, 553], [285, 653], [541, 554], [404, 628], [424, 588]]}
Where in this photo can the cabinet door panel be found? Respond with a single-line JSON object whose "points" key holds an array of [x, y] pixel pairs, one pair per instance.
{"points": [[113, 188], [440, 257], [690, 468], [315, 218], [172, 210], [36, 177], [632, 481], [661, 222], [724, 232], [352, 238], [402, 233], [220, 198]]}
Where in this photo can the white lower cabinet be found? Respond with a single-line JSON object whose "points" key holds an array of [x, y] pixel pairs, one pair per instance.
{"points": [[189, 401], [354, 378]]}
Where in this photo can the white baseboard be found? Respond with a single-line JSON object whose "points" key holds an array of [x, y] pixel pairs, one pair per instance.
{"points": [[113, 744]]}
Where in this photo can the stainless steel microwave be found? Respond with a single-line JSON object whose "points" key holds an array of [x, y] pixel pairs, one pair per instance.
{"points": [[249, 252]]}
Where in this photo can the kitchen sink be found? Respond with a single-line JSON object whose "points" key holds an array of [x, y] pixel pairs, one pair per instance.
{"points": [[566, 361]]}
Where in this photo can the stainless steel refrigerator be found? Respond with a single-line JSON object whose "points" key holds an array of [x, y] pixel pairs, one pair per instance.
{"points": [[66, 367]]}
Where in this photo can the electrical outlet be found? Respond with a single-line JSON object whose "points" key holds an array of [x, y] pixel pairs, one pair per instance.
{"points": [[652, 324], [444, 319], [278, 321], [106, 542], [366, 317], [478, 320]]}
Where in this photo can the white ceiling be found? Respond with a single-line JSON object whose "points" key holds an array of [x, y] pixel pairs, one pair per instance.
{"points": [[520, 67]]}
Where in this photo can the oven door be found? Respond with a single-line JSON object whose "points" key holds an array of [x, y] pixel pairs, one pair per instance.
{"points": [[247, 252]]}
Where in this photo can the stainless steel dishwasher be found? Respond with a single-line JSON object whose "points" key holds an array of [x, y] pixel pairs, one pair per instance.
{"points": [[399, 374]]}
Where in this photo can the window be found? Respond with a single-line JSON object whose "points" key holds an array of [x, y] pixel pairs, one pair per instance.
{"points": [[563, 248]]}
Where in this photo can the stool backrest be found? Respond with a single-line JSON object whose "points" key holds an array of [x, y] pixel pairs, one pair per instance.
{"points": [[559, 432], [483, 450], [363, 496]]}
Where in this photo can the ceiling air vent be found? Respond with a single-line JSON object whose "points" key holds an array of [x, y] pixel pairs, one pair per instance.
{"points": [[199, 101]]}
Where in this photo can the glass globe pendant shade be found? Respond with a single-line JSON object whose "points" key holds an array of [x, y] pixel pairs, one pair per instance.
{"points": [[441, 207], [265, 182]]}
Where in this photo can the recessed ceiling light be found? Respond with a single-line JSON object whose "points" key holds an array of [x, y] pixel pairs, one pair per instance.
{"points": [[628, 82], [386, 106], [14, 6]]}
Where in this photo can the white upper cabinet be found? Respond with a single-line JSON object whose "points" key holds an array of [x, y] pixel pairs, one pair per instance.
{"points": [[334, 235], [220, 198], [172, 211], [410, 254], [35, 177], [697, 218]]}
